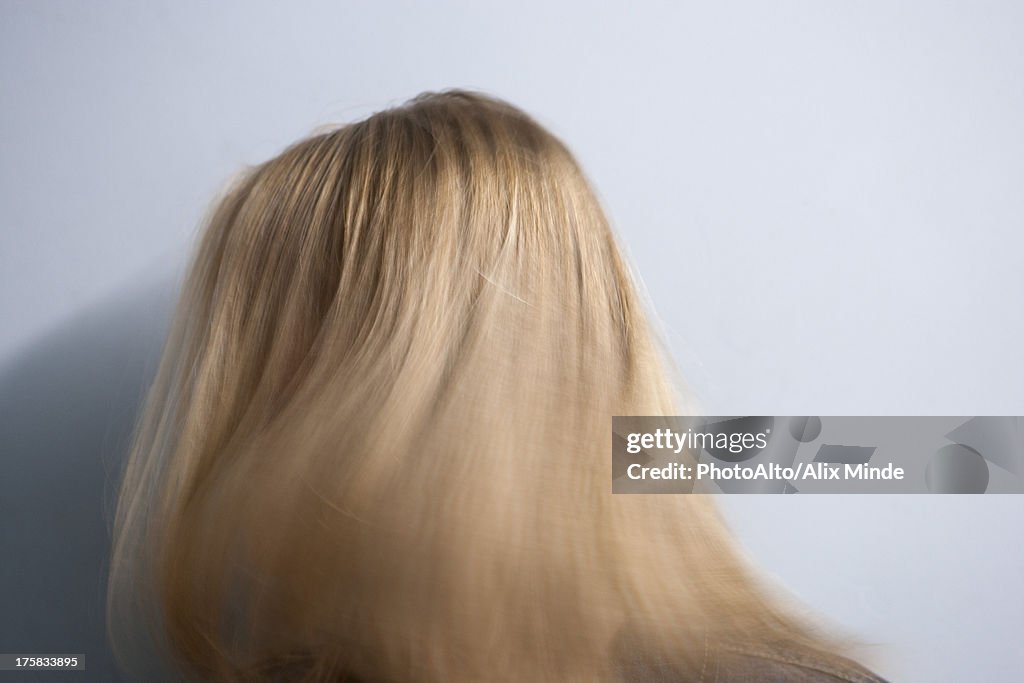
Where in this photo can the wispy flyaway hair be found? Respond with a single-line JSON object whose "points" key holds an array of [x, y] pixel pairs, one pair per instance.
{"points": [[378, 443]]}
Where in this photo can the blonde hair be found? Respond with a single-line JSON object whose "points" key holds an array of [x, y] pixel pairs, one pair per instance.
{"points": [[378, 443]]}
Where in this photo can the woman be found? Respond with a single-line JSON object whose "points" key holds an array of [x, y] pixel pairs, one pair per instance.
{"points": [[377, 445]]}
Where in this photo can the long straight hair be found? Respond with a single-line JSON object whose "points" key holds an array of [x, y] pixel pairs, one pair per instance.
{"points": [[378, 443]]}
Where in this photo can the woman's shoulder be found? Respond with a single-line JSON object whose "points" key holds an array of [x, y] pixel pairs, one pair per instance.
{"points": [[754, 664], [764, 665]]}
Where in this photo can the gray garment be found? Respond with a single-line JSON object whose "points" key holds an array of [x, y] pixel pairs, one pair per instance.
{"points": [[729, 663]]}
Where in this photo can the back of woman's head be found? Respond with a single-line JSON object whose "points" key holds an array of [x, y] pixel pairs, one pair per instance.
{"points": [[378, 445]]}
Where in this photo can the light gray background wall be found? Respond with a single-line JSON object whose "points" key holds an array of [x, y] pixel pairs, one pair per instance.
{"points": [[823, 199]]}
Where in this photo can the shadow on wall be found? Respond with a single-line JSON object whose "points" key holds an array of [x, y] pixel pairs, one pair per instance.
{"points": [[67, 408]]}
